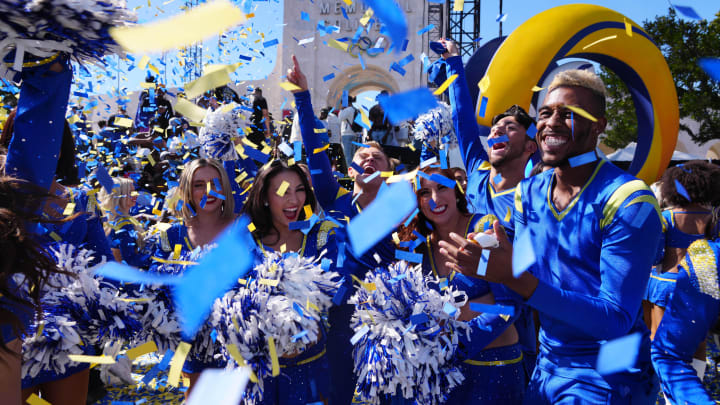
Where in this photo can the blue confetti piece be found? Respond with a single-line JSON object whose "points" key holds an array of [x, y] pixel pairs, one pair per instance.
{"points": [[408, 256], [398, 69], [397, 278], [493, 309], [483, 107], [339, 297], [297, 308], [393, 18], [443, 159], [256, 155], [426, 29], [164, 363], [410, 218], [639, 219], [404, 61], [299, 336], [681, 190], [572, 125], [532, 131], [523, 253], [501, 17], [359, 334], [297, 151], [381, 216], [497, 179], [500, 139], [344, 13], [215, 194], [304, 16], [408, 105], [179, 205], [190, 208], [583, 159], [195, 293], [270, 43], [688, 12], [122, 272], [325, 264], [345, 98], [329, 77], [216, 182], [449, 309], [213, 335], [104, 178], [203, 201], [483, 263], [711, 66], [362, 62], [618, 354], [418, 319], [439, 178], [360, 145]]}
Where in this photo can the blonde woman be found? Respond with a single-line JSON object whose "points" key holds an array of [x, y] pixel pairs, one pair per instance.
{"points": [[123, 231]]}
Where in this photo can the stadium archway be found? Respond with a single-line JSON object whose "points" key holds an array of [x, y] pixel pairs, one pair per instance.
{"points": [[356, 80]]}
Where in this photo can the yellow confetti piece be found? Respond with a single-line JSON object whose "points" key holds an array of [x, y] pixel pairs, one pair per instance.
{"points": [[387, 174], [241, 177], [73, 119], [137, 351], [251, 227], [122, 122], [535, 89], [348, 2], [283, 188], [55, 236], [579, 111], [190, 110], [366, 17], [235, 354], [177, 362], [208, 81], [440, 90], [181, 30], [81, 358], [36, 400], [460, 187], [283, 247], [459, 5], [179, 262], [508, 215], [484, 83], [153, 68], [322, 149], [274, 357], [69, 209], [268, 282], [396, 238], [41, 326], [176, 251], [151, 160], [599, 41], [628, 28], [337, 45], [289, 86], [308, 211]]}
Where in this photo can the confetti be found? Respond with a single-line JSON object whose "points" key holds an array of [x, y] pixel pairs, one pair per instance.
{"points": [[440, 90], [581, 112], [583, 159], [618, 354], [408, 105]]}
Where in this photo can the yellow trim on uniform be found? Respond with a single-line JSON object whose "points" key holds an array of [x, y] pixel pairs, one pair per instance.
{"points": [[518, 199], [306, 361], [704, 264], [495, 362], [38, 62], [301, 252], [560, 215], [485, 165], [618, 197], [341, 192], [494, 194], [663, 279]]}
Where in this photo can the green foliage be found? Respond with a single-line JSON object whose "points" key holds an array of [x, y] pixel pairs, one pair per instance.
{"points": [[683, 42]]}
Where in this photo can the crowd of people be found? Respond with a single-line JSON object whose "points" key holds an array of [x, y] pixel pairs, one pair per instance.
{"points": [[551, 267]]}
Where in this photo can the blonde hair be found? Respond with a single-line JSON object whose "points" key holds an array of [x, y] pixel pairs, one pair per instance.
{"points": [[110, 202], [185, 188], [585, 79], [392, 163]]}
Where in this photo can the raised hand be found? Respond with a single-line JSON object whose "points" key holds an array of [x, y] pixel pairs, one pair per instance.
{"points": [[296, 76], [452, 48]]}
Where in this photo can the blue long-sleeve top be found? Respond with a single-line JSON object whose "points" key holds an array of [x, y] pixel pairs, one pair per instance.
{"points": [[124, 237], [333, 198], [693, 310], [593, 260], [37, 135]]}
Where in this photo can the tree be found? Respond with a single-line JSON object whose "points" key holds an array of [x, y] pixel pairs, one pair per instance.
{"points": [[683, 43]]}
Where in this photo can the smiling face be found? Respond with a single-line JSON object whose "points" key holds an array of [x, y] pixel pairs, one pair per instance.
{"points": [[129, 200], [437, 202], [563, 134], [514, 148], [200, 180], [370, 160], [286, 208]]}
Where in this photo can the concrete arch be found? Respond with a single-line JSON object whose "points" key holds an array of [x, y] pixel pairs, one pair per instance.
{"points": [[356, 80], [713, 151]]}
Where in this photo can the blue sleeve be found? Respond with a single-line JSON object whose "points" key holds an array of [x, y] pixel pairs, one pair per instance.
{"points": [[625, 263], [97, 240], [125, 239], [466, 127], [685, 324], [325, 185], [486, 327], [35, 145], [237, 192]]}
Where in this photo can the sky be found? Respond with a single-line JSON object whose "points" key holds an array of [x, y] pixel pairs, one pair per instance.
{"points": [[267, 24]]}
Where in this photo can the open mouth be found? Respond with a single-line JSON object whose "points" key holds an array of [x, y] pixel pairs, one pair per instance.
{"points": [[290, 213], [440, 209], [369, 169], [555, 141], [210, 200], [499, 146]]}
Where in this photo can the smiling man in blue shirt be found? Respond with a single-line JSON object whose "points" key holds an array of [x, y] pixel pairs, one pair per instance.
{"points": [[594, 231]]}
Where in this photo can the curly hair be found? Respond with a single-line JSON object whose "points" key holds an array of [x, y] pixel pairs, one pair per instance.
{"points": [[20, 204], [700, 179]]}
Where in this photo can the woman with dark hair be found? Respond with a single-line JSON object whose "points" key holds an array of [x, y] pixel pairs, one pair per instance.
{"points": [[492, 358], [23, 256], [690, 190], [281, 196]]}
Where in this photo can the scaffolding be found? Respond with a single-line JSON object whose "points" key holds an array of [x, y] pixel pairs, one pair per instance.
{"points": [[436, 17], [193, 56], [464, 26]]}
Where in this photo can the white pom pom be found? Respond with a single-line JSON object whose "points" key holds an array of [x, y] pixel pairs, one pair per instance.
{"points": [[221, 126], [435, 124]]}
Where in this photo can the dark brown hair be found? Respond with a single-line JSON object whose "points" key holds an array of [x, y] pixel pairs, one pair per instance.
{"points": [[255, 206], [700, 179], [420, 222], [20, 204]]}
